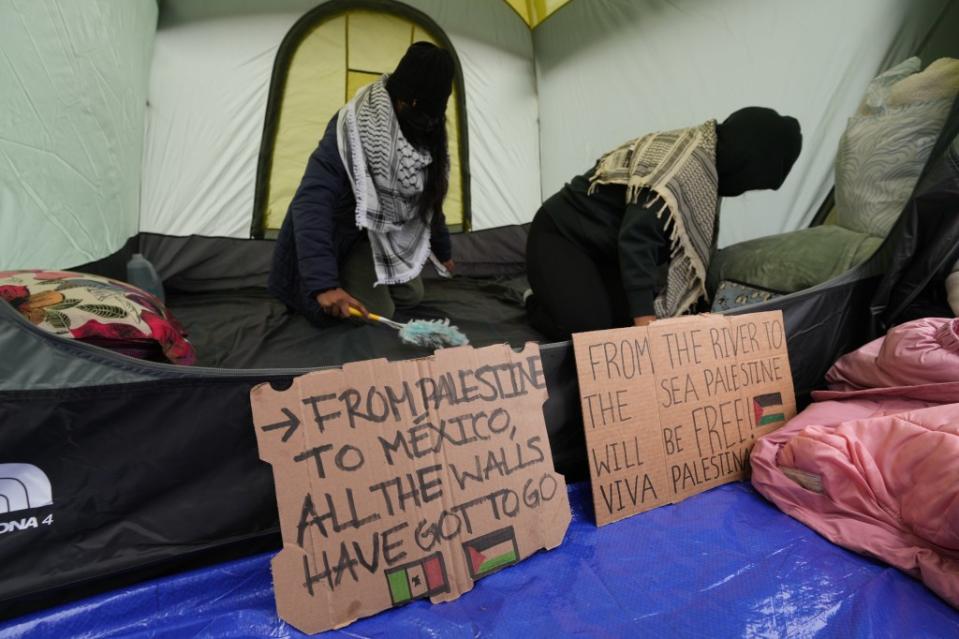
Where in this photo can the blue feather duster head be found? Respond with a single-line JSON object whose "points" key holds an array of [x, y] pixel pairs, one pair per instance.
{"points": [[432, 334]]}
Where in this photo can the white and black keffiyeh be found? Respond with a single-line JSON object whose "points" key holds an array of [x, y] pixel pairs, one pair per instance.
{"points": [[680, 168], [387, 174]]}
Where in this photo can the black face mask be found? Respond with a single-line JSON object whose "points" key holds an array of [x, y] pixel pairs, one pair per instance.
{"points": [[756, 149], [419, 127]]}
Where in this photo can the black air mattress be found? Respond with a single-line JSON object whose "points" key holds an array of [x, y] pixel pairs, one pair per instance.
{"points": [[247, 328]]}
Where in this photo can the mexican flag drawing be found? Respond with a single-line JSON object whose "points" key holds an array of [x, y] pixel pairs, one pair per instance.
{"points": [[417, 579]]}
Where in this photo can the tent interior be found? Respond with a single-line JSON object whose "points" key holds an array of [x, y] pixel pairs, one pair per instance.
{"points": [[180, 130]]}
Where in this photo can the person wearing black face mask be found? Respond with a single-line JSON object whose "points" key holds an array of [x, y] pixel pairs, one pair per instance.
{"points": [[368, 212], [631, 239]]}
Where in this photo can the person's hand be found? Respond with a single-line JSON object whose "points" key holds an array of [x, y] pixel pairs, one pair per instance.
{"points": [[336, 302], [449, 265], [644, 320]]}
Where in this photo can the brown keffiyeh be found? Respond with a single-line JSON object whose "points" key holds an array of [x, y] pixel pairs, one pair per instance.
{"points": [[680, 168]]}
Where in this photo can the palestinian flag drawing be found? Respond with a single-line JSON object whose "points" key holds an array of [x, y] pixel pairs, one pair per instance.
{"points": [[769, 409], [417, 579], [489, 553]]}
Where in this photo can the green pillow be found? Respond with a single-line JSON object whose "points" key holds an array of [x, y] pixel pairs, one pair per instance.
{"points": [[794, 261]]}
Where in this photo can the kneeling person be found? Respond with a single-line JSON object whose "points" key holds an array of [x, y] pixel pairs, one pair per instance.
{"points": [[631, 240], [368, 211]]}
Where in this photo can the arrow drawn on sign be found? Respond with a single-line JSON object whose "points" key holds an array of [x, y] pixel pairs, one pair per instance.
{"points": [[291, 424]]}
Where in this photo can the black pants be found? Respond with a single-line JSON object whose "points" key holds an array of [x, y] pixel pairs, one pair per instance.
{"points": [[573, 291]]}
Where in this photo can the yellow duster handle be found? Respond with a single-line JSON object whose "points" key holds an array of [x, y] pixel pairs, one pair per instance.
{"points": [[355, 312]]}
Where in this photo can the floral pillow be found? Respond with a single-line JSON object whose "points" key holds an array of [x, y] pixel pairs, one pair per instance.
{"points": [[99, 311], [730, 295]]}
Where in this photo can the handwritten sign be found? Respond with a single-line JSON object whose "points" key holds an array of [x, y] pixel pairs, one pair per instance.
{"points": [[403, 480], [673, 409]]}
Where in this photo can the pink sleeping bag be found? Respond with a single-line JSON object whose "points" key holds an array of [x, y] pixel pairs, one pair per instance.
{"points": [[873, 465]]}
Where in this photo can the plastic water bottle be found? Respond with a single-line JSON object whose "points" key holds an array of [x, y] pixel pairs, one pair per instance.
{"points": [[140, 272]]}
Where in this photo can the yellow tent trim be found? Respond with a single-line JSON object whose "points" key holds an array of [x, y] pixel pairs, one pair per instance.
{"points": [[533, 12]]}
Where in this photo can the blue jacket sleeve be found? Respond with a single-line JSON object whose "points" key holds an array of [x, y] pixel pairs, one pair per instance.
{"points": [[324, 183], [440, 237]]}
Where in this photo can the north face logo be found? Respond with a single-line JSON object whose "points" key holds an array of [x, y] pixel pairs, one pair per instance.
{"points": [[23, 486]]}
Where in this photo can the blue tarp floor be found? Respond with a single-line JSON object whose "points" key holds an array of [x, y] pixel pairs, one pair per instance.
{"points": [[722, 564]]}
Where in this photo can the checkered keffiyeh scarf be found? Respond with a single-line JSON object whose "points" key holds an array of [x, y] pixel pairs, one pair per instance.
{"points": [[387, 175], [680, 168]]}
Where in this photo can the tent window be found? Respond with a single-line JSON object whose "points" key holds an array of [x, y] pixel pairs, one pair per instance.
{"points": [[326, 57]]}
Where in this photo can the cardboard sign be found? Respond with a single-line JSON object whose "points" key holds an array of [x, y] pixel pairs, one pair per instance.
{"points": [[402, 480], [673, 409]]}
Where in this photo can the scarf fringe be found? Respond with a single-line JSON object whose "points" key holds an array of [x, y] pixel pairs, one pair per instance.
{"points": [[418, 265], [681, 245], [668, 174]]}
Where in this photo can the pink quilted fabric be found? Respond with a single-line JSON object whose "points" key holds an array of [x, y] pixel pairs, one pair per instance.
{"points": [[924, 351], [874, 464]]}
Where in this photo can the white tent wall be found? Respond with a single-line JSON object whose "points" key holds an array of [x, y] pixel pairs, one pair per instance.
{"points": [[75, 78], [73, 83], [611, 70], [208, 93]]}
